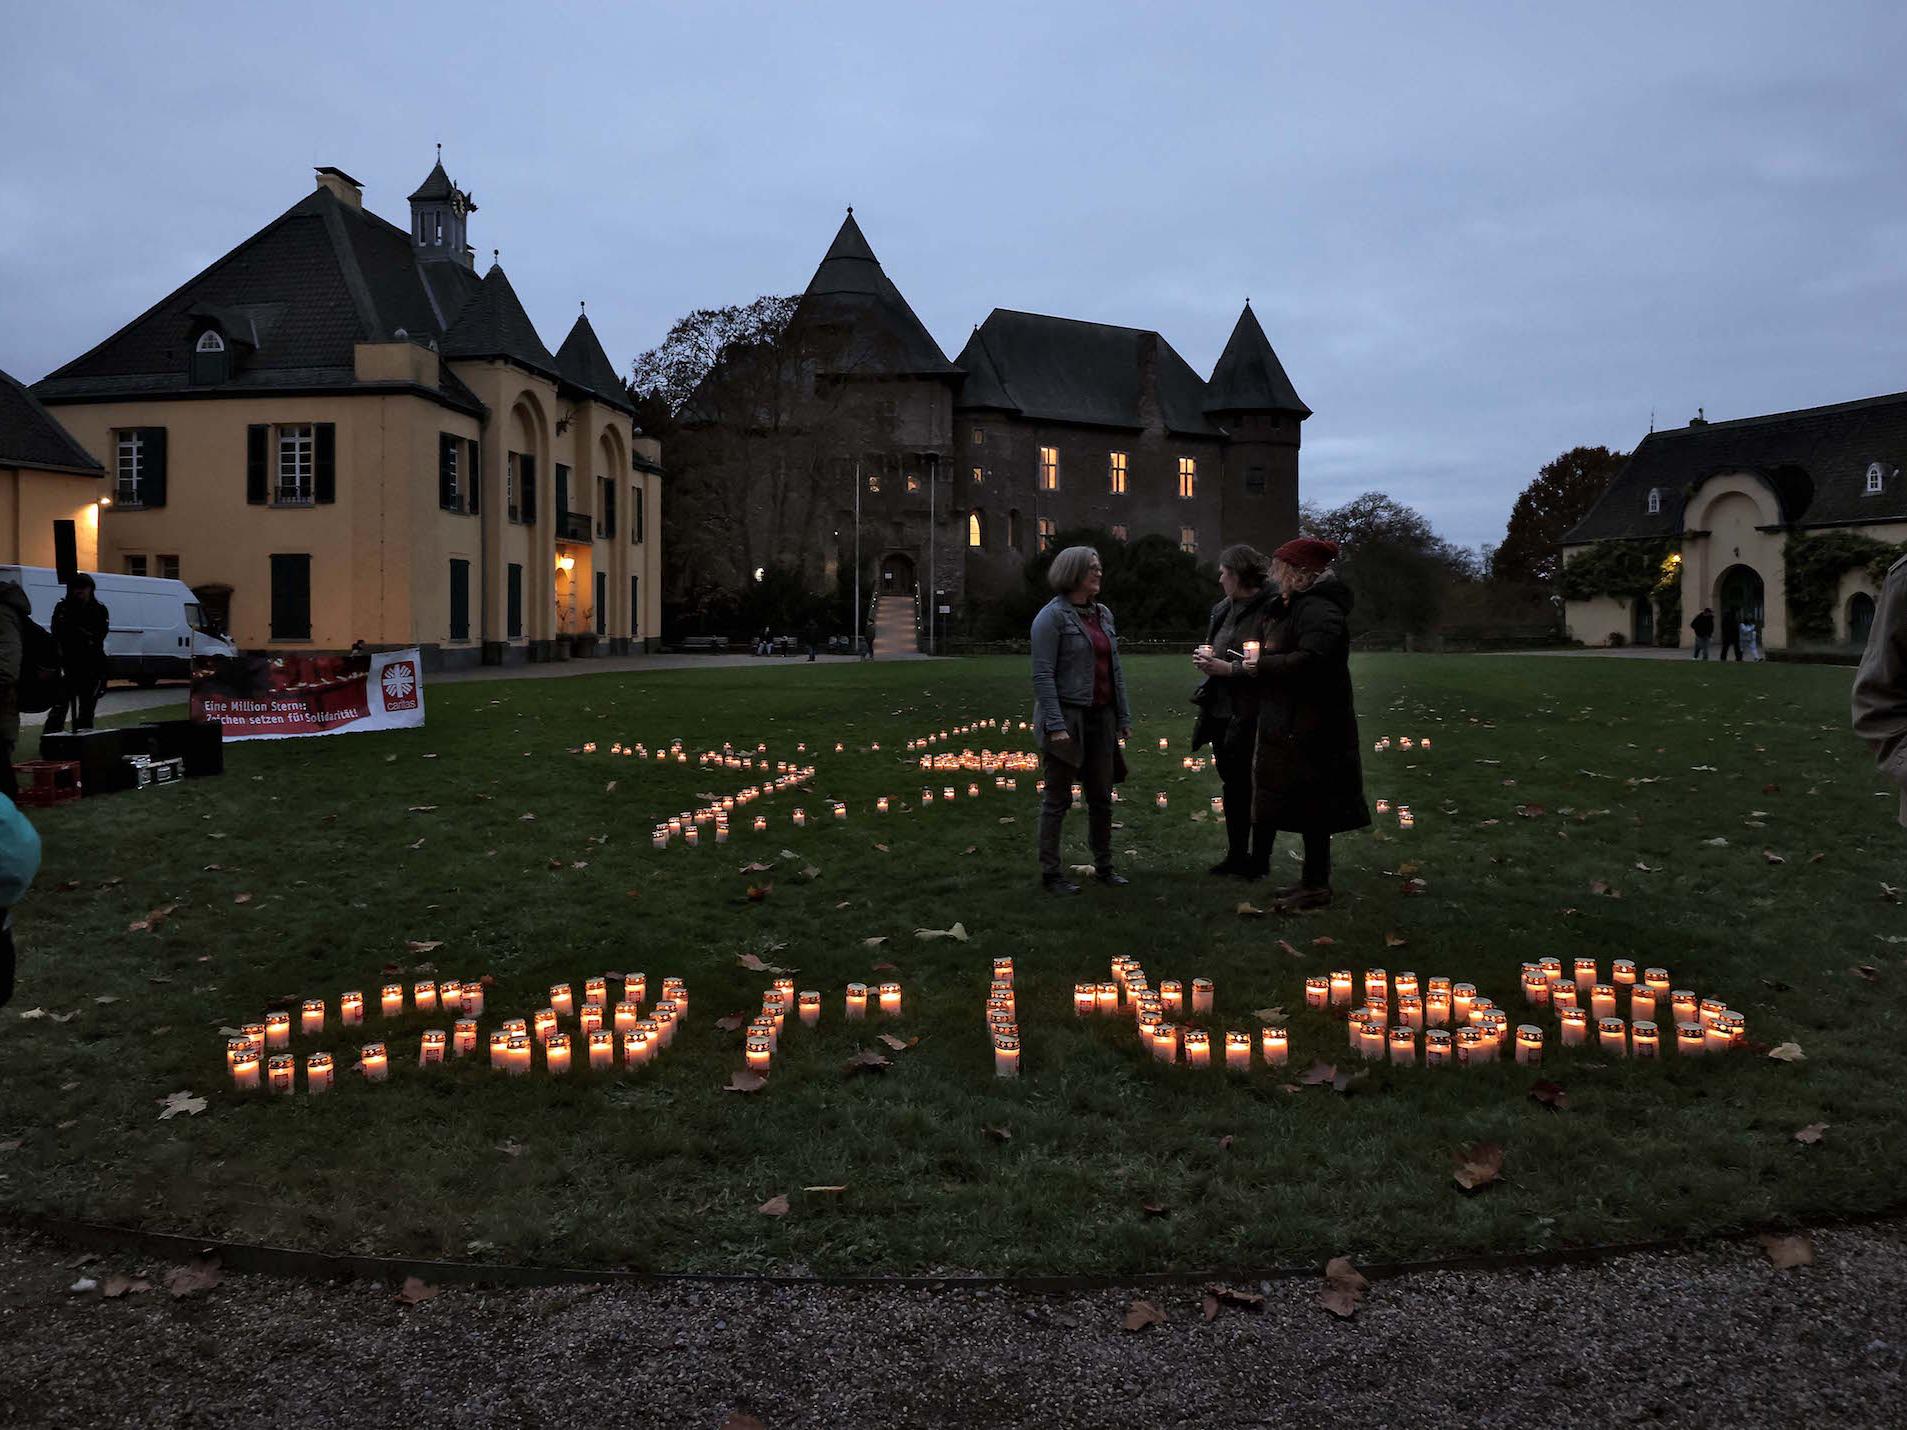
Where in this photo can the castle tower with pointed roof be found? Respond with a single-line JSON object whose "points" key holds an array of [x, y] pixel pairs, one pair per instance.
{"points": [[1252, 399]]}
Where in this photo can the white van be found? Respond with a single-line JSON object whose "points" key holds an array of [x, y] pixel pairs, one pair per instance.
{"points": [[155, 626]]}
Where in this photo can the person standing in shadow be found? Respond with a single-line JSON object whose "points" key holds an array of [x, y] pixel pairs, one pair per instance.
{"points": [[1731, 633]]}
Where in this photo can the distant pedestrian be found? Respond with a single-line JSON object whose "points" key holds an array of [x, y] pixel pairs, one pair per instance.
{"points": [[1731, 633], [1880, 686], [19, 862], [867, 645], [80, 625], [1704, 627], [808, 638], [1750, 641]]}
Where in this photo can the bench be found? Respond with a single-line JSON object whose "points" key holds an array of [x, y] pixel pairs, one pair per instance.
{"points": [[689, 645]]}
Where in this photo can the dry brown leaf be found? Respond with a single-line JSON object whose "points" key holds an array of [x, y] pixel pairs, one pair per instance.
{"points": [[1155, 1208], [1248, 910], [1286, 945], [1395, 940], [998, 1134], [241, 898], [1343, 1289], [1209, 1308], [1787, 1251], [1323, 940], [886, 968], [1478, 1165], [1141, 1314], [874, 942], [151, 922], [195, 1276], [1788, 1053], [1550, 1094], [743, 1080], [774, 1206], [1274, 1016], [865, 1060], [899, 1045], [1232, 1296], [1812, 1133], [753, 963], [758, 892], [414, 1292], [732, 1022], [1225, 1143], [117, 1286], [422, 945], [742, 1420], [1348, 1082], [172, 1104], [882, 848], [1603, 887], [1867, 971], [826, 1191], [1318, 1074], [958, 933], [755, 868]]}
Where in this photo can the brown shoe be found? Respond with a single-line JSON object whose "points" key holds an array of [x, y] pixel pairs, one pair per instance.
{"points": [[1305, 899]]}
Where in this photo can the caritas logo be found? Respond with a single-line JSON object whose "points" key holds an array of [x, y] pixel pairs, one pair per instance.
{"points": [[400, 685]]}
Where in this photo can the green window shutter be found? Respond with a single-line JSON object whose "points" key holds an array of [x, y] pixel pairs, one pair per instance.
{"points": [[635, 605], [475, 454], [460, 600], [513, 626], [153, 452], [446, 471], [257, 462], [602, 603], [324, 462], [526, 479]]}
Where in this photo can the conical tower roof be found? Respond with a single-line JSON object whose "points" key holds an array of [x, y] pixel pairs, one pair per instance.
{"points": [[436, 185], [493, 325], [870, 328], [1248, 376], [582, 361]]}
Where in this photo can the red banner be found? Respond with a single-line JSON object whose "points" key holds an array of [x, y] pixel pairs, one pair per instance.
{"points": [[284, 696]]}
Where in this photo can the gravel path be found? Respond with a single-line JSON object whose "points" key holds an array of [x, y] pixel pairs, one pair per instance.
{"points": [[1716, 1337]]}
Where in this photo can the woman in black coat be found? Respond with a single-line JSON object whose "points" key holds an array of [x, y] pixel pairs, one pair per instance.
{"points": [[1228, 702], [1307, 776]]}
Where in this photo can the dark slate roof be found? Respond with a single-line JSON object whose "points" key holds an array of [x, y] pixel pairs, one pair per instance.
{"points": [[1248, 376], [299, 294], [982, 387], [1065, 370], [854, 308], [583, 362], [494, 325], [30, 436], [1814, 460], [436, 185]]}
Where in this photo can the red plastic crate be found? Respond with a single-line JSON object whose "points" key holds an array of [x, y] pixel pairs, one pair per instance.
{"points": [[44, 783]]}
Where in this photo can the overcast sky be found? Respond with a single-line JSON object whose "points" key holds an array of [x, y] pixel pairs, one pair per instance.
{"points": [[1476, 235]]}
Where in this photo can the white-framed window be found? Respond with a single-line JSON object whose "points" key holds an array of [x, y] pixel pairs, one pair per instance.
{"points": [[1119, 533], [1655, 501], [1116, 473], [296, 466], [976, 530], [168, 567], [1049, 469], [135, 565], [209, 342], [129, 462], [1046, 533], [1188, 477], [1876, 479], [1188, 541]]}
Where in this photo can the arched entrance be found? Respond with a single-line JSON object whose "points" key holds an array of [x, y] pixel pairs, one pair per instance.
{"points": [[1860, 619], [897, 575], [1642, 622], [1739, 590]]}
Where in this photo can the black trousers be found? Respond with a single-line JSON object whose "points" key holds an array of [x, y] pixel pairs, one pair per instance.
{"points": [[1100, 742], [1234, 773], [1316, 871], [1732, 643], [82, 694]]}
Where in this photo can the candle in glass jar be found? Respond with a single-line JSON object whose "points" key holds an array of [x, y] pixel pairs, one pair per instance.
{"points": [[544, 1025], [1709, 1010], [278, 1030], [1473, 1048], [1602, 1000], [1006, 1055], [890, 1000], [602, 1049], [518, 1062], [1574, 1025], [318, 1073], [1238, 1052], [1436, 1048], [1405, 984], [561, 1000], [1274, 1045], [667, 1018], [1410, 1011], [1622, 971], [1641, 1003], [1736, 1026], [764, 1027], [351, 1008], [1172, 994], [1201, 995], [1437, 1008], [1685, 1005], [473, 1000], [235, 1049], [255, 1035], [1656, 978], [430, 1047], [1317, 991], [463, 1037], [1198, 1048], [1462, 996], [1613, 1036], [375, 1062], [1085, 998], [635, 988], [809, 1006], [1340, 987], [499, 1049], [1377, 986], [857, 1001], [1159, 799], [1689, 1039], [1529, 1044], [596, 990], [625, 1015], [281, 1073], [393, 1000], [1585, 974], [1535, 988], [1403, 1045], [311, 1017], [1645, 1041], [589, 1018], [638, 1047], [556, 1053], [1165, 1042], [1563, 995], [1370, 1038], [1715, 1037]]}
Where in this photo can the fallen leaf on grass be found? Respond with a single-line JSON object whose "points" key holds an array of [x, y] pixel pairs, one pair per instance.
{"points": [[755, 868], [774, 1206], [1771, 857], [826, 1191], [899, 1045], [1217, 1295], [1812, 1133], [754, 964], [998, 1134], [31, 1013], [1788, 1053], [886, 968], [742, 1080], [732, 1022], [151, 922], [1600, 886], [510, 1147], [1141, 1314], [865, 1060], [1273, 1016], [414, 1292], [422, 945], [193, 1277], [1343, 1289], [1318, 1074], [1323, 940], [874, 942], [807, 874], [1648, 868], [1248, 910], [881, 849], [1415, 886], [420, 809], [1347, 1082], [1789, 1251], [1530, 811], [1395, 940], [1225, 1143], [1867, 971], [1550, 1094], [1286, 945], [958, 932], [12, 1144], [1716, 843], [1155, 1209], [1890, 893], [241, 898], [117, 1286], [82, 1286], [1478, 1165], [172, 1104]]}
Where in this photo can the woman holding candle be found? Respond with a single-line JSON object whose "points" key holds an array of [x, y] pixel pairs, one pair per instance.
{"points": [[1306, 774], [1080, 711], [1228, 703]]}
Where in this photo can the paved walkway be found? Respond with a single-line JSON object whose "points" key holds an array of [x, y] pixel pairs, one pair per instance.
{"points": [[1702, 1338]]}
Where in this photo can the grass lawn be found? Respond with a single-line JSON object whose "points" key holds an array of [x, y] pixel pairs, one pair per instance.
{"points": [[1641, 769]]}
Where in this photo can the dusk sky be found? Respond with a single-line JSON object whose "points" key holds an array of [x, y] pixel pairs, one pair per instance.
{"points": [[1476, 235]]}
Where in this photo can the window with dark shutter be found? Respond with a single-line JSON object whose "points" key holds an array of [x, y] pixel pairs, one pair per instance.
{"points": [[324, 461], [513, 606], [608, 509], [459, 600], [561, 510], [526, 486], [257, 462], [291, 597], [635, 605], [447, 472], [154, 476], [637, 516], [474, 450], [602, 603]]}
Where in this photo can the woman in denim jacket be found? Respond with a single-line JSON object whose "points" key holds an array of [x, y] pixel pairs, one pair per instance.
{"points": [[1080, 712]]}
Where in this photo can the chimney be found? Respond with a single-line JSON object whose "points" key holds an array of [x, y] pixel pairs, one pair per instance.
{"points": [[342, 187], [1700, 419]]}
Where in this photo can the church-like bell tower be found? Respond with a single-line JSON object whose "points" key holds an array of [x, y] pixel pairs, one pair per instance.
{"points": [[439, 212]]}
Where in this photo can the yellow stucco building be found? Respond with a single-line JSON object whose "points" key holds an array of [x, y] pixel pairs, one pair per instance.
{"points": [[340, 432], [1721, 501], [46, 476]]}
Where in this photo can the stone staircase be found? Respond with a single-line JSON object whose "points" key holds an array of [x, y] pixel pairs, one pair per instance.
{"points": [[894, 632]]}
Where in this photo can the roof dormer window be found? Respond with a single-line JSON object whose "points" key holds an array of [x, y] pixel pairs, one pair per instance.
{"points": [[1876, 479], [1655, 501], [211, 360]]}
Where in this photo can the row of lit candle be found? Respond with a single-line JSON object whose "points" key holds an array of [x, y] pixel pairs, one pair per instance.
{"points": [[688, 825], [992, 723], [1003, 1025], [1404, 742], [1130, 990]]}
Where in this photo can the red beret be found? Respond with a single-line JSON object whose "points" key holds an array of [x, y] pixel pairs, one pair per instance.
{"points": [[1308, 553]]}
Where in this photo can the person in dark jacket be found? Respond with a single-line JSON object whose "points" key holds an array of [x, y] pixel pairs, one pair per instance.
{"points": [[80, 624], [1731, 634], [1307, 775], [1703, 627], [1228, 702], [809, 638], [15, 610]]}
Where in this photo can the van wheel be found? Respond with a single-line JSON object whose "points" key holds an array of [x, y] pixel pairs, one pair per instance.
{"points": [[145, 682]]}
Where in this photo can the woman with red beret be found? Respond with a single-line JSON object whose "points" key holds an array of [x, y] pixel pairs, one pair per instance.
{"points": [[1307, 776]]}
